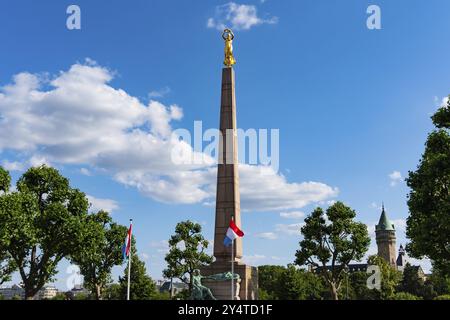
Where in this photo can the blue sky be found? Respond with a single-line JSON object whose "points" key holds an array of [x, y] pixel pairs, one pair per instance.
{"points": [[352, 106]]}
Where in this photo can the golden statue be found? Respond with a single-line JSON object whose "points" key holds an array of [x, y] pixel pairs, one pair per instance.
{"points": [[228, 36]]}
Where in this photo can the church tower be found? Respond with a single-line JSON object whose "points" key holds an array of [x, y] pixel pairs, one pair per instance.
{"points": [[385, 236], [401, 259]]}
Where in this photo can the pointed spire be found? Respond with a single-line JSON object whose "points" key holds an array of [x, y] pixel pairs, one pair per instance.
{"points": [[384, 223]]}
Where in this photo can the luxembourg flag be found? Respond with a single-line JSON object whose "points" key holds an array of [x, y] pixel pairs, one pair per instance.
{"points": [[233, 232], [127, 245]]}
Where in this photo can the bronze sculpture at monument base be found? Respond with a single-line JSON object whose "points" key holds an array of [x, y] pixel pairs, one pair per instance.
{"points": [[245, 289], [202, 292]]}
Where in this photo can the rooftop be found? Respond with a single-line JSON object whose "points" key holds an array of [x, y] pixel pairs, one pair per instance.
{"points": [[384, 223]]}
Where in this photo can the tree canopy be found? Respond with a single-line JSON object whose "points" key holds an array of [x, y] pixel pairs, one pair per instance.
{"points": [[45, 220], [289, 283], [329, 246], [100, 251], [390, 277], [428, 225], [186, 252], [142, 286], [6, 263]]}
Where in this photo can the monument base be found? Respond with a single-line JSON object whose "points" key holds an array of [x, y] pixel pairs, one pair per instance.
{"points": [[245, 289]]}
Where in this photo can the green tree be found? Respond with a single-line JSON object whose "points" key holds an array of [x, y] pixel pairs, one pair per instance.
{"points": [[6, 263], [44, 220], [60, 296], [112, 292], [428, 225], [404, 296], [186, 252], [440, 282], [6, 267], [268, 281], [330, 246], [161, 296], [142, 286], [390, 277], [289, 283], [415, 285], [100, 252], [358, 289], [82, 296], [5, 180], [298, 284]]}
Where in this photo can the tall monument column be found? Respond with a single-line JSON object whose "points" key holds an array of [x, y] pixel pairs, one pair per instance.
{"points": [[227, 195]]}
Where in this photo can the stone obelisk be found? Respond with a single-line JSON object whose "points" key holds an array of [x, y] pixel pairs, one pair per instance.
{"points": [[227, 196]]}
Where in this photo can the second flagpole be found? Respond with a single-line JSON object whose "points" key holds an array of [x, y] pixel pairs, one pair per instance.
{"points": [[232, 266], [129, 264], [232, 270]]}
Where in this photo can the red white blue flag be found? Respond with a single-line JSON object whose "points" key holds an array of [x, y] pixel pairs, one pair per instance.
{"points": [[233, 232], [127, 245]]}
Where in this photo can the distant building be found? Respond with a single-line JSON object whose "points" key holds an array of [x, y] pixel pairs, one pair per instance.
{"points": [[172, 287], [14, 291], [47, 293], [401, 259], [385, 237], [77, 290]]}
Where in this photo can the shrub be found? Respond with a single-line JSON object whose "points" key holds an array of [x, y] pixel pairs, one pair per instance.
{"points": [[404, 296], [443, 297]]}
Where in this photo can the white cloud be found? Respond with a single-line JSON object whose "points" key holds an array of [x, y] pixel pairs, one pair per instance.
{"points": [[160, 246], [266, 235], [260, 259], [400, 226], [275, 258], [98, 204], [262, 189], [292, 215], [78, 118], [12, 165], [289, 229], [371, 229], [159, 93], [85, 172], [328, 203], [395, 178], [38, 160], [254, 259], [375, 205], [237, 17], [440, 102], [145, 256]]}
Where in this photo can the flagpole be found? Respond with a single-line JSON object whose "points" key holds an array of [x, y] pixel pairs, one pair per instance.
{"points": [[232, 270], [129, 265], [232, 265]]}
